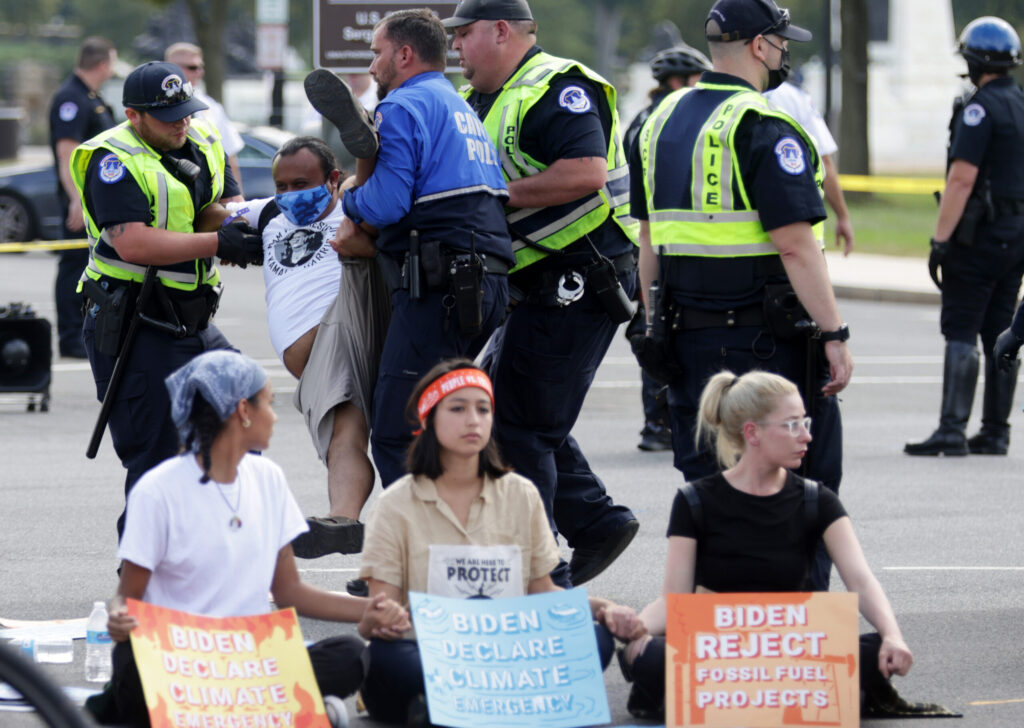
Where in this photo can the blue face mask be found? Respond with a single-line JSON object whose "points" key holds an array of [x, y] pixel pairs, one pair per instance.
{"points": [[304, 207]]}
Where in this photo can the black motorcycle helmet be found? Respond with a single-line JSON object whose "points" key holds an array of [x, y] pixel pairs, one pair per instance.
{"points": [[989, 44], [680, 60]]}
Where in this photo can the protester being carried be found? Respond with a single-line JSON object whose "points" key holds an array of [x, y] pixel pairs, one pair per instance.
{"points": [[327, 319], [751, 531], [458, 500], [209, 532]]}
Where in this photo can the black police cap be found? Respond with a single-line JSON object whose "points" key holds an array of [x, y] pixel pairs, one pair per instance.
{"points": [[159, 88], [745, 19], [470, 11]]}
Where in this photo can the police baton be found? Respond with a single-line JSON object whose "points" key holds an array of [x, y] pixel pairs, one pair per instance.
{"points": [[114, 384], [810, 368]]}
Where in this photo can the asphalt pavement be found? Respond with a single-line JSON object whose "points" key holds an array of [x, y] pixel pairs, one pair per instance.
{"points": [[943, 535]]}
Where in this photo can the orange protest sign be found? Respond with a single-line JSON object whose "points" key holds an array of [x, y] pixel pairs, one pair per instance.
{"points": [[227, 672], [780, 659]]}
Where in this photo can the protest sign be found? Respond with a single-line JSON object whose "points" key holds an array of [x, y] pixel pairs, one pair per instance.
{"points": [[522, 661], [762, 660], [228, 672]]}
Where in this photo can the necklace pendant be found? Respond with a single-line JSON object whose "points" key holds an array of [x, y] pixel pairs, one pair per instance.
{"points": [[235, 523]]}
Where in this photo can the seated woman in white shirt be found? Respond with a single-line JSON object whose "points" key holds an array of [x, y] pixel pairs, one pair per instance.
{"points": [[209, 532]]}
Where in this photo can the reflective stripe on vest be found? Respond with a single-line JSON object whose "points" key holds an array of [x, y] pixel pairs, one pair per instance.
{"points": [[555, 227], [171, 204], [717, 225]]}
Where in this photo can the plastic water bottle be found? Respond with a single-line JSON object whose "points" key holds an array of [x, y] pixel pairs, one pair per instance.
{"points": [[97, 645]]}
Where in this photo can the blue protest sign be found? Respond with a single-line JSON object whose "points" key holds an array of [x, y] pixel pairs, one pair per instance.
{"points": [[522, 661]]}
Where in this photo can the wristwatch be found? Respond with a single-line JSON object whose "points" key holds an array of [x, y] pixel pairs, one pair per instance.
{"points": [[840, 334]]}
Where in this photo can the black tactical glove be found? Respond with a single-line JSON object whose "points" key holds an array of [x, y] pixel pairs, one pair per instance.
{"points": [[240, 243], [1004, 351], [656, 359], [936, 258]]}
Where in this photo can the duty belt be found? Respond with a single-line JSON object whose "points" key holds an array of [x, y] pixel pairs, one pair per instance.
{"points": [[1007, 207], [546, 281], [699, 318], [491, 265]]}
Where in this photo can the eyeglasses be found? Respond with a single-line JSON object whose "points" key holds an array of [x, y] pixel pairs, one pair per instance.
{"points": [[171, 96], [198, 67], [793, 426]]}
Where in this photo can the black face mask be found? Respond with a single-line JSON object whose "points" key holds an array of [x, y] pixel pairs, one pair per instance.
{"points": [[974, 72], [777, 75]]}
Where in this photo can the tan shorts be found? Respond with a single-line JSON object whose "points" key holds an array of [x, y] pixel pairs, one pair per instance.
{"points": [[343, 362]]}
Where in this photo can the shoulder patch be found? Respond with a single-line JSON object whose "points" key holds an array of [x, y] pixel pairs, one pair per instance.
{"points": [[574, 99], [790, 155], [973, 114], [68, 111], [111, 169]]}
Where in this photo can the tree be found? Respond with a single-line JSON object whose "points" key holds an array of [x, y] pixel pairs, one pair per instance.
{"points": [[209, 19], [853, 125]]}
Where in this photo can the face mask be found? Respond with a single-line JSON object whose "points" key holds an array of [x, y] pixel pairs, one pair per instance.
{"points": [[304, 207], [777, 75]]}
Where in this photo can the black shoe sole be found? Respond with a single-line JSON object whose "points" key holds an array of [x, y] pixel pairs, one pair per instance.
{"points": [[322, 539], [357, 588], [334, 99], [613, 547]]}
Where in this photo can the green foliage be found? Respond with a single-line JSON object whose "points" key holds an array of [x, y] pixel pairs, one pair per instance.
{"points": [[890, 224]]}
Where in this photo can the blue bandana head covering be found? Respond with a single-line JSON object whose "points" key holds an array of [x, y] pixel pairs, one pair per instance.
{"points": [[304, 207], [224, 378]]}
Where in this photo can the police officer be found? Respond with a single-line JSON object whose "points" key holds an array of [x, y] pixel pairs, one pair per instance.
{"points": [[77, 113], [979, 242], [673, 68], [729, 250], [436, 195], [148, 187], [557, 132]]}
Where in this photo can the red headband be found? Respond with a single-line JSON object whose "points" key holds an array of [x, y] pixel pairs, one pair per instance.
{"points": [[448, 383]]}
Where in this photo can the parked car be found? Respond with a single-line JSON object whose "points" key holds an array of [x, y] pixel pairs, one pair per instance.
{"points": [[29, 209]]}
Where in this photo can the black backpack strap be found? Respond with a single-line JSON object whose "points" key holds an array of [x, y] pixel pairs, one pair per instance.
{"points": [[268, 213], [696, 509], [811, 513]]}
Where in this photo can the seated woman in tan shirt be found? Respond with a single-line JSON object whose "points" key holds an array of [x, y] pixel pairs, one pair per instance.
{"points": [[459, 502]]}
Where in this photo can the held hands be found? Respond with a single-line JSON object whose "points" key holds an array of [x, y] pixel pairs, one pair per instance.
{"points": [[894, 657], [1004, 351], [240, 243], [622, 621], [119, 622], [384, 618]]}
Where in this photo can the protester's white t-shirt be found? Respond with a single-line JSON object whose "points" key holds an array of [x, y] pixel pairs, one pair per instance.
{"points": [[230, 139], [180, 530], [797, 103], [301, 271]]}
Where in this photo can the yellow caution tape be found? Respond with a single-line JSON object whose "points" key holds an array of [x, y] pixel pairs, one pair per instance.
{"points": [[39, 245], [891, 185]]}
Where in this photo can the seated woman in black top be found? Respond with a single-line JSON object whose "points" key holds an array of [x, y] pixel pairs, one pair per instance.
{"points": [[754, 533]]}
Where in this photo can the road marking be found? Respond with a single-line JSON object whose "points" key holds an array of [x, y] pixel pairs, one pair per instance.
{"points": [[996, 702], [953, 568]]}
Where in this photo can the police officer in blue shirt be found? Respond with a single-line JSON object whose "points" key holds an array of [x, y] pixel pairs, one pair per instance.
{"points": [[436, 196], [77, 113], [979, 242], [738, 257], [556, 128], [151, 189]]}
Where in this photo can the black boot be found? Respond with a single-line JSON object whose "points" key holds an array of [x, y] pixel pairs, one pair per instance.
{"points": [[959, 378], [994, 437]]}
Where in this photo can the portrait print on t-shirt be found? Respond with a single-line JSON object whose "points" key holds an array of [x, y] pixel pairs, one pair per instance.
{"points": [[298, 247], [475, 572]]}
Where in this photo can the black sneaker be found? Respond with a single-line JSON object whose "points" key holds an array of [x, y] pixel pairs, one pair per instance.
{"points": [[328, 535], [586, 562], [334, 99], [655, 439], [357, 588]]}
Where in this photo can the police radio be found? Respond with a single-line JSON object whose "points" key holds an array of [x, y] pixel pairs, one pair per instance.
{"points": [[185, 170]]}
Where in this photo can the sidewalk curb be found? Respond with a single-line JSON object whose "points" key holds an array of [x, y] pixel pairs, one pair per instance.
{"points": [[886, 295]]}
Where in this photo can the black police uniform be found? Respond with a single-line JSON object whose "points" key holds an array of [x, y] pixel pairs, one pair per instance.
{"points": [[140, 422], [703, 289], [544, 357], [77, 113], [982, 272]]}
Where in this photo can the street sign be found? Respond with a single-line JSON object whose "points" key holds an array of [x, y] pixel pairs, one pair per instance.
{"points": [[343, 29]]}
